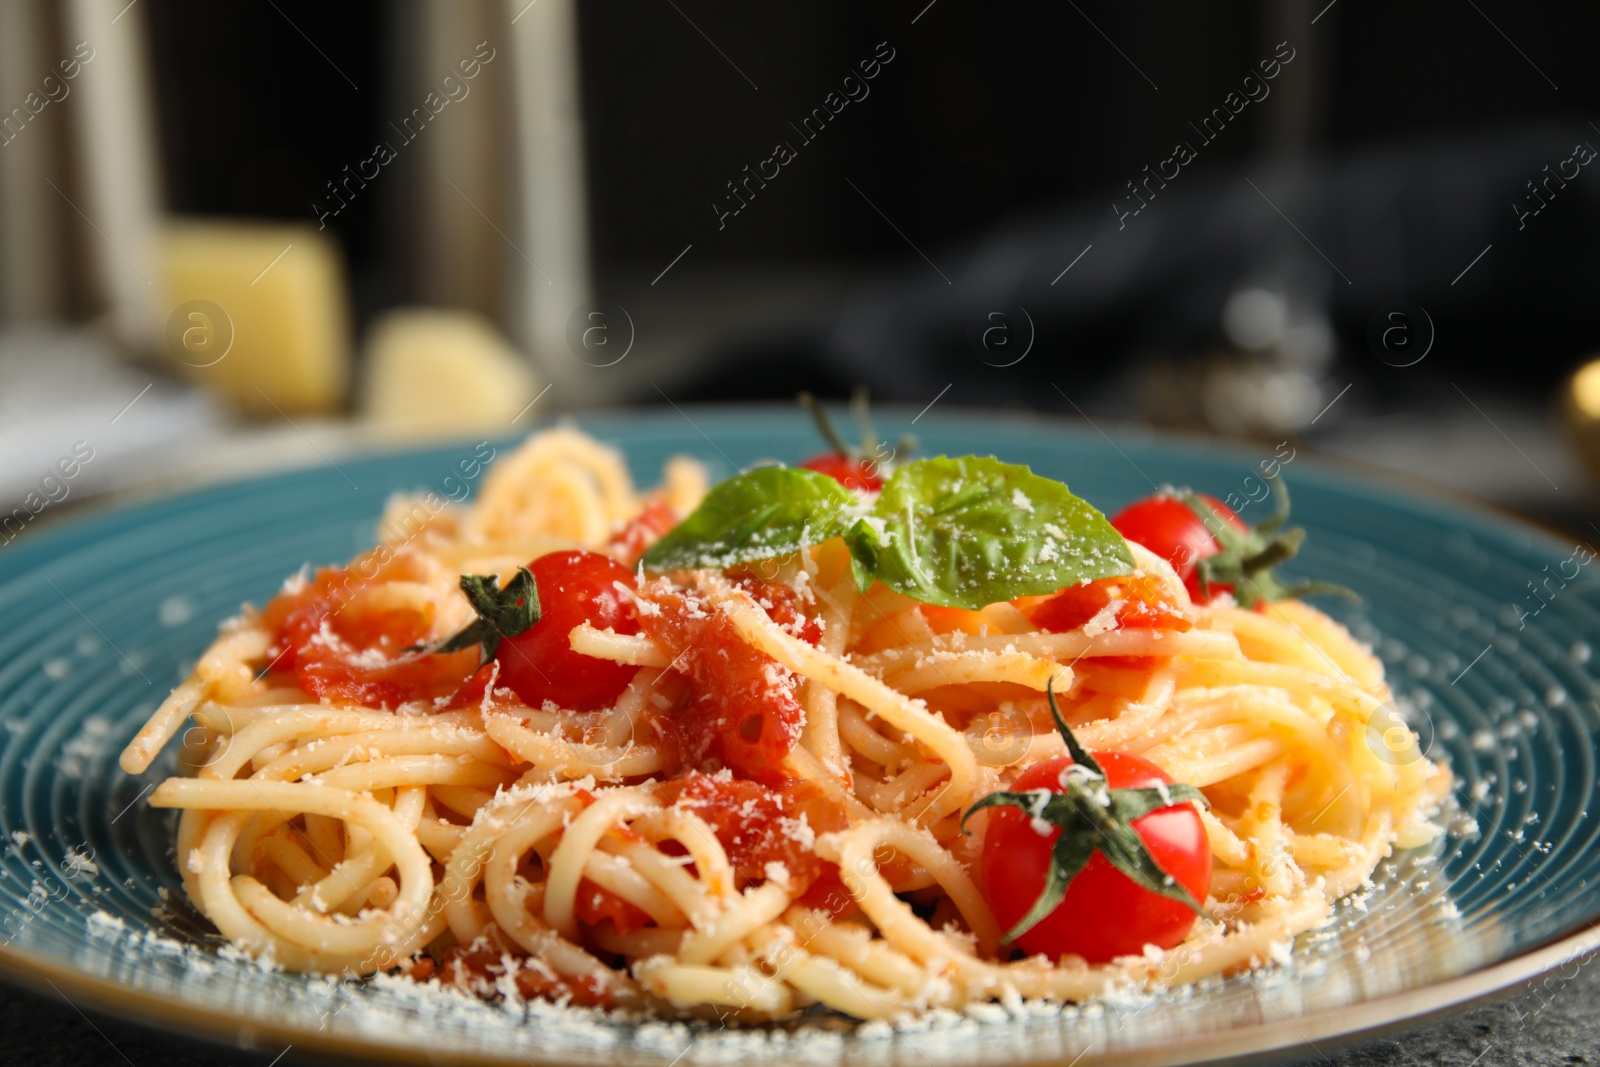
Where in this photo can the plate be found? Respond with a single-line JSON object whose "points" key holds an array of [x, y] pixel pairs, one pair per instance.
{"points": [[1484, 624]]}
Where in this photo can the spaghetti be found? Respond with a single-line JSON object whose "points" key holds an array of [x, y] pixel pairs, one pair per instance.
{"points": [[351, 804]]}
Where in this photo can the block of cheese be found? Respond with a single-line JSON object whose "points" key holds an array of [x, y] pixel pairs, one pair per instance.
{"points": [[259, 312], [433, 372], [1580, 409]]}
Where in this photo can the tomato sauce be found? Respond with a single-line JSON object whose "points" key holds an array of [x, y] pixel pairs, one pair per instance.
{"points": [[758, 826], [477, 969], [783, 606], [341, 649], [643, 530], [743, 710], [597, 904]]}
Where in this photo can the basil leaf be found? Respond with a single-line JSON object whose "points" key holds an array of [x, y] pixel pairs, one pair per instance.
{"points": [[761, 514], [862, 539], [966, 531]]}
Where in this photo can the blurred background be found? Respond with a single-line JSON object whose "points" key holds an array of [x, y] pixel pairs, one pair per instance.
{"points": [[245, 234]]}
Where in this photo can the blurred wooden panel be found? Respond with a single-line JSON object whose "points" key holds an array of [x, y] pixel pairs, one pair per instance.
{"points": [[462, 180], [33, 239]]}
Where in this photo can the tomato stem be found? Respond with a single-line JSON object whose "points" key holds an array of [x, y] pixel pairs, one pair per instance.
{"points": [[860, 410], [1246, 560], [501, 613], [825, 426]]}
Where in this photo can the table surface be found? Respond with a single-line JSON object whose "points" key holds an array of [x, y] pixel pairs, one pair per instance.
{"points": [[1550, 1021]]}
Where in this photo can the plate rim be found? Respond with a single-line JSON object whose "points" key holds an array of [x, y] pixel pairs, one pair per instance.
{"points": [[1344, 1025], [166, 1015]]}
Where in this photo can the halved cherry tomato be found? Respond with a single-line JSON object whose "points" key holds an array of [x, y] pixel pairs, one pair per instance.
{"points": [[1104, 913], [743, 710], [859, 475], [1145, 604], [1170, 528], [539, 663]]}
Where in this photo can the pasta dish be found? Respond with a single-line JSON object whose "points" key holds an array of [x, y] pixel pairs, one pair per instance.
{"points": [[871, 733]]}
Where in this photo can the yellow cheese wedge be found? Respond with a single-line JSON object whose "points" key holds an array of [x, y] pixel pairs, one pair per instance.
{"points": [[432, 372], [1580, 410], [259, 313]]}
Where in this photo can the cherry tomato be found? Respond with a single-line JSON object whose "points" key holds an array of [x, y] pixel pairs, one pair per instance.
{"points": [[539, 664], [1170, 528], [1104, 914], [856, 474]]}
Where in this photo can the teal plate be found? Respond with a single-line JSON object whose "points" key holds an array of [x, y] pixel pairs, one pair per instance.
{"points": [[101, 615]]}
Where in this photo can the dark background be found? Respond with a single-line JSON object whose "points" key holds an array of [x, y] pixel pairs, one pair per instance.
{"points": [[1385, 165], [1420, 124]]}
